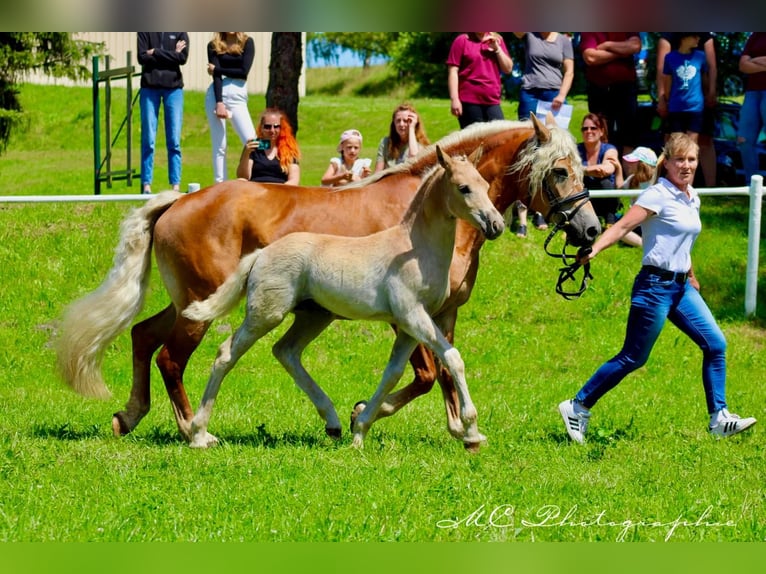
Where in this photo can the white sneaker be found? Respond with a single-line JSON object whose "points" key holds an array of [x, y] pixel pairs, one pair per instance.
{"points": [[723, 423], [576, 418]]}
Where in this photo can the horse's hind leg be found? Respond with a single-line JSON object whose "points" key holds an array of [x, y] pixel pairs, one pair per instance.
{"points": [[288, 351], [146, 338], [182, 341]]}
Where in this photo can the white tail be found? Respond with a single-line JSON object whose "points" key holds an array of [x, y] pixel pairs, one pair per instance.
{"points": [[226, 296], [93, 321]]}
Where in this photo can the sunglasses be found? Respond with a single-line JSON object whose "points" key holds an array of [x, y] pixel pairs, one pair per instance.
{"points": [[270, 126], [589, 129]]}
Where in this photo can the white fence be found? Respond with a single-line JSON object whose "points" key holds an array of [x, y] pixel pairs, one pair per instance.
{"points": [[755, 191]]}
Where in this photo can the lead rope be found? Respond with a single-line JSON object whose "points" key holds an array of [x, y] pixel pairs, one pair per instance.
{"points": [[567, 273]]}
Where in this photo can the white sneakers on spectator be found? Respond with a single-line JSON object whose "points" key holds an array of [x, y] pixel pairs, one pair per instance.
{"points": [[723, 423], [576, 419]]}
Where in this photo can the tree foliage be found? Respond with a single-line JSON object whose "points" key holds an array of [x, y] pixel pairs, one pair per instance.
{"points": [[327, 45], [54, 53]]}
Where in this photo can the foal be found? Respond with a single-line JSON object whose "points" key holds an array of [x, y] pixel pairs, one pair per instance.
{"points": [[399, 275]]}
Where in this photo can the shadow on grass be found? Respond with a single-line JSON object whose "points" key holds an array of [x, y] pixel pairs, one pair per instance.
{"points": [[66, 432]]}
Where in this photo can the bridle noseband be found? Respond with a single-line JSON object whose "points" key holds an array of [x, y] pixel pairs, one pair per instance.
{"points": [[560, 216]]}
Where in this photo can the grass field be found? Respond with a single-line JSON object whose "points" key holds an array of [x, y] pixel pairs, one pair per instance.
{"points": [[649, 471]]}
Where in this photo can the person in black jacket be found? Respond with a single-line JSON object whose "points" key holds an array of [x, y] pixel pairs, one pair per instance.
{"points": [[161, 55]]}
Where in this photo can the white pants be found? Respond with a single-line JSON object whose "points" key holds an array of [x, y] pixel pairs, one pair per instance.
{"points": [[235, 100]]}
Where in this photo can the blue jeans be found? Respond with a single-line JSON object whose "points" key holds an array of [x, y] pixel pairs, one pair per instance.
{"points": [[652, 301], [752, 118], [173, 101], [528, 100]]}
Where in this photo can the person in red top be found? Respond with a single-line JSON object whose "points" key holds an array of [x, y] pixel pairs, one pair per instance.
{"points": [[610, 72], [474, 64], [752, 114]]}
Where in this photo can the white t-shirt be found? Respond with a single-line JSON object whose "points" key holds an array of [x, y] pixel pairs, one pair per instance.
{"points": [[358, 166], [669, 235]]}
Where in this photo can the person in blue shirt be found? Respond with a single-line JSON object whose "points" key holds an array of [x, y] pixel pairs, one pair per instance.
{"points": [[685, 78]]}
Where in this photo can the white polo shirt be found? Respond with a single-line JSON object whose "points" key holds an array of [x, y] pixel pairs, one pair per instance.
{"points": [[669, 234]]}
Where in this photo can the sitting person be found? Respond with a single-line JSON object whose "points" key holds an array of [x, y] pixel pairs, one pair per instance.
{"points": [[642, 163], [349, 166], [600, 162], [273, 157], [405, 136]]}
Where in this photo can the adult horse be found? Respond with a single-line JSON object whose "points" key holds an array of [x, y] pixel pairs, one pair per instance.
{"points": [[199, 239], [399, 275]]}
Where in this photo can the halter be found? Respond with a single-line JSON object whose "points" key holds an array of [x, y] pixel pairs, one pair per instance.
{"points": [[560, 217]]}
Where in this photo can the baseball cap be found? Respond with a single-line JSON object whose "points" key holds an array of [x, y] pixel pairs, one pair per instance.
{"points": [[643, 154]]}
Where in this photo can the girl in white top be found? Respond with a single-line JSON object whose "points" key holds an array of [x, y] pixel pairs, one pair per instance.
{"points": [[349, 166]]}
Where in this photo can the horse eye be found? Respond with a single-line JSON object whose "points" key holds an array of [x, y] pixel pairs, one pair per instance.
{"points": [[560, 173], [464, 189]]}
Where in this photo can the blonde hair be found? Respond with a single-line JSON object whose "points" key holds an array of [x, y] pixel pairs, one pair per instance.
{"points": [[678, 143], [221, 46]]}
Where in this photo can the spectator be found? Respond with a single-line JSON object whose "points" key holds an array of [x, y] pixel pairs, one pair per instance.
{"points": [[612, 85], [548, 75], [642, 163], [665, 288], [708, 160], [230, 56], [273, 157], [405, 136], [161, 55], [685, 83], [752, 114], [349, 166], [474, 64], [600, 161]]}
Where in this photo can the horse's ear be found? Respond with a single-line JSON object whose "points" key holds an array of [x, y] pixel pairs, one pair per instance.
{"points": [[543, 133], [550, 121], [476, 155], [440, 157]]}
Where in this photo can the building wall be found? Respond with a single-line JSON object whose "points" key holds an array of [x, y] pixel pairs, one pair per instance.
{"points": [[118, 44]]}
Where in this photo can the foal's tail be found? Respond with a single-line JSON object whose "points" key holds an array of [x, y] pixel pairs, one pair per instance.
{"points": [[93, 321], [226, 296]]}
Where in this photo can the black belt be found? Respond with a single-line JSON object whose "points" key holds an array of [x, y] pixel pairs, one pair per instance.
{"points": [[666, 275]]}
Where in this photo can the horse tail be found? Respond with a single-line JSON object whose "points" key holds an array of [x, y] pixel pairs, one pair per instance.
{"points": [[226, 296], [90, 323]]}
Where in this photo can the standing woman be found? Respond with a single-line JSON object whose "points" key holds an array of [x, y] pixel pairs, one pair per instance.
{"points": [[474, 64], [405, 136], [230, 57], [273, 157], [548, 75], [600, 160], [665, 288]]}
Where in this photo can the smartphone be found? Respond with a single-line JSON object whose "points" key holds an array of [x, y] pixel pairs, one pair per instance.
{"points": [[263, 143]]}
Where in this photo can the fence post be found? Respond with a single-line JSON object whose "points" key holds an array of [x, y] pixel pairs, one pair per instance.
{"points": [[753, 240]]}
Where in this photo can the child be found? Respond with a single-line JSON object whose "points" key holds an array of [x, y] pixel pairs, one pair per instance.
{"points": [[685, 75], [349, 166], [643, 163]]}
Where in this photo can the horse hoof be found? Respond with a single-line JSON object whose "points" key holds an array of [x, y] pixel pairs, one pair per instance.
{"points": [[119, 426], [333, 433], [358, 442], [205, 441], [474, 444], [355, 412]]}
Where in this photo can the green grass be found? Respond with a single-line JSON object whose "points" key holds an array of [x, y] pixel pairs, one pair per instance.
{"points": [[276, 477]]}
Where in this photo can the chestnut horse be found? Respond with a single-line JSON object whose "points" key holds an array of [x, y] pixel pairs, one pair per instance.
{"points": [[399, 275], [199, 239]]}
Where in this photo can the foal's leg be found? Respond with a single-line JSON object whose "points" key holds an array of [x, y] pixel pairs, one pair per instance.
{"points": [[146, 338], [403, 347], [230, 351], [289, 349]]}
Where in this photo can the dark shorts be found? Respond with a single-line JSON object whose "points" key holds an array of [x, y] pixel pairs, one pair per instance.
{"points": [[473, 113], [684, 122], [619, 104]]}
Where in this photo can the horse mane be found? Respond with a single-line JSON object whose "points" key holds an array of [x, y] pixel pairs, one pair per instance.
{"points": [[458, 142], [430, 179], [536, 159]]}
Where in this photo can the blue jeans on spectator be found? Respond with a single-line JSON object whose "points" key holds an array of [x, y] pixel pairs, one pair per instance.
{"points": [[528, 100], [173, 101], [752, 118], [652, 301]]}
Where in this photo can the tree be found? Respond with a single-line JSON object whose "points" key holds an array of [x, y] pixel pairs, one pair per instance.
{"points": [[284, 72], [55, 53], [367, 44]]}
